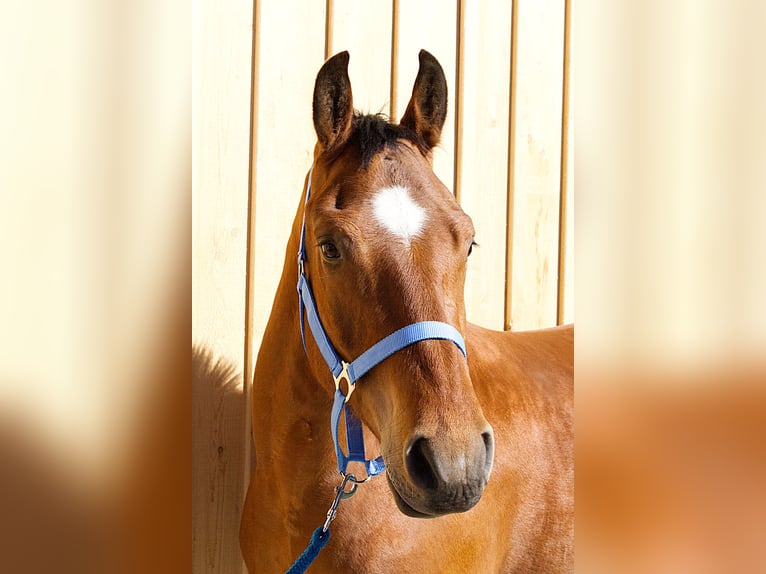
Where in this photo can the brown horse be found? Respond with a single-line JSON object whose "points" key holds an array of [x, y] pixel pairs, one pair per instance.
{"points": [[386, 246]]}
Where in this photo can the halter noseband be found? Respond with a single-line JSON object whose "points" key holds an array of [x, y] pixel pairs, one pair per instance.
{"points": [[354, 370]]}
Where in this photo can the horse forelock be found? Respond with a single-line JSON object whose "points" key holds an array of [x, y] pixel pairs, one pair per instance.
{"points": [[373, 133]]}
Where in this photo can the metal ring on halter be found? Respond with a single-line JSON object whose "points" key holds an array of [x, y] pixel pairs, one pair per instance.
{"points": [[352, 478], [344, 375]]}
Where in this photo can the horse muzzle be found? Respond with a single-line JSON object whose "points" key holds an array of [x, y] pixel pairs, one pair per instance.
{"points": [[440, 479]]}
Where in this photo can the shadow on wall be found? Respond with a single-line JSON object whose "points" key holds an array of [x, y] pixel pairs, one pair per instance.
{"points": [[219, 479]]}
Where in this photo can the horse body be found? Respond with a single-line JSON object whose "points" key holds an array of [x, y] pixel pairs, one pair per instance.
{"points": [[441, 509]]}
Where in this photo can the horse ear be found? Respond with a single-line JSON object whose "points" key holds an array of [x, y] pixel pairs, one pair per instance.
{"points": [[427, 109], [333, 105]]}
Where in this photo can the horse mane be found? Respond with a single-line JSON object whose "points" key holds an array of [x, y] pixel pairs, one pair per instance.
{"points": [[374, 132]]}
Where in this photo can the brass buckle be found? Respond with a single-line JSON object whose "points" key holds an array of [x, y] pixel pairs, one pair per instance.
{"points": [[344, 375]]}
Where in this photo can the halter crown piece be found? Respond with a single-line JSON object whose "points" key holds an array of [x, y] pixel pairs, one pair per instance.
{"points": [[356, 369]]}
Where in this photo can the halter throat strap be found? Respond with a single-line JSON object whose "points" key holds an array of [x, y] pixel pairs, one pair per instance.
{"points": [[357, 368]]}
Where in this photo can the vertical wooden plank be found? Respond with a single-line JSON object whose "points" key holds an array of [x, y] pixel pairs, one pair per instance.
{"points": [[221, 144], [291, 51], [457, 156], [564, 306], [422, 27], [249, 456], [364, 29], [569, 278], [511, 181], [220, 148], [485, 154], [393, 112], [537, 163], [328, 23]]}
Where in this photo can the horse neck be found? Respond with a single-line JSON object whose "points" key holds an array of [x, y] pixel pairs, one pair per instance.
{"points": [[286, 388]]}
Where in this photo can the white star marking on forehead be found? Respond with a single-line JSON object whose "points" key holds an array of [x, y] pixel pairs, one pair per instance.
{"points": [[397, 212]]}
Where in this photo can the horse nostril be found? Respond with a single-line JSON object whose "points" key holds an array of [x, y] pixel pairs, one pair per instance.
{"points": [[489, 449], [419, 460], [488, 442]]}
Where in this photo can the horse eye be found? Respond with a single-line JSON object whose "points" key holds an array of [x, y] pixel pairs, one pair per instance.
{"points": [[329, 250], [470, 247]]}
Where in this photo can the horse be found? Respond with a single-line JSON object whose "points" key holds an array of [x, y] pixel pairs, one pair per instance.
{"points": [[478, 449]]}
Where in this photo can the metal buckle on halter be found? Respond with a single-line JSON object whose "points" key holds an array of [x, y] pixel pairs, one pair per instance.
{"points": [[344, 375]]}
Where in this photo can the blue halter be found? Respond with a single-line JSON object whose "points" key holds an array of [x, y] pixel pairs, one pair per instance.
{"points": [[356, 369]]}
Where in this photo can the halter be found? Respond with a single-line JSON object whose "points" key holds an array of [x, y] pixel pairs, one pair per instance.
{"points": [[356, 369], [351, 372]]}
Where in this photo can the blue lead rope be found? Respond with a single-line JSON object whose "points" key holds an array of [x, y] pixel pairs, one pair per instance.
{"points": [[318, 541]]}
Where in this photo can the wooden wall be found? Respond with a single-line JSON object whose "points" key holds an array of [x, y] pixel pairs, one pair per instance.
{"points": [[505, 153]]}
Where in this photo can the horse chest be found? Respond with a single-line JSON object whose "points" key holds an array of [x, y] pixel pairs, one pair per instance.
{"points": [[371, 536], [397, 545]]}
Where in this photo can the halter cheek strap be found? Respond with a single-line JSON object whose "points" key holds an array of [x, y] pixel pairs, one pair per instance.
{"points": [[353, 371]]}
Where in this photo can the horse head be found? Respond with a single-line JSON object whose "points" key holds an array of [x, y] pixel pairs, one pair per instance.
{"points": [[387, 246]]}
